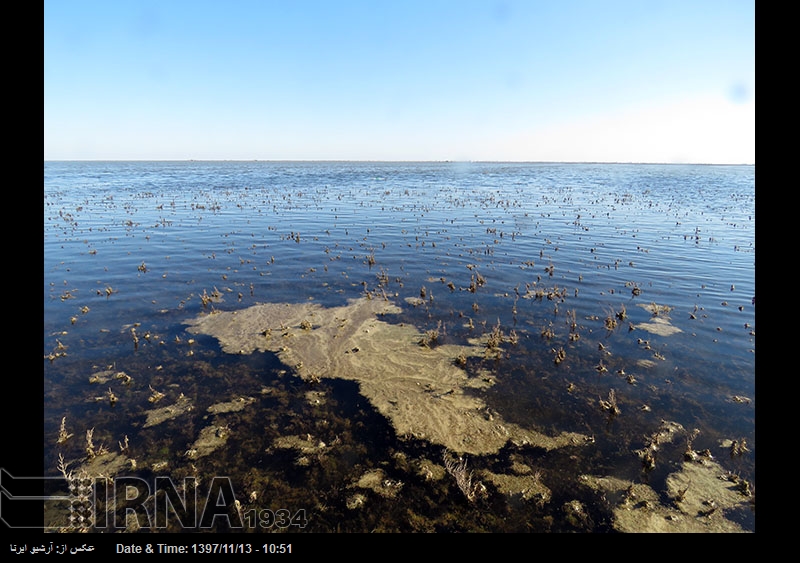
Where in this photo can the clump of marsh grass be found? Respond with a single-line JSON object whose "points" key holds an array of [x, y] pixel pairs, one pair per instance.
{"points": [[610, 405], [657, 310], [495, 339], [63, 467], [431, 337], [457, 468], [90, 452], [63, 435], [572, 320], [155, 396]]}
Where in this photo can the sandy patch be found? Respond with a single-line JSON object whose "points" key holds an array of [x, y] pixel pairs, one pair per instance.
{"points": [[156, 416], [527, 486], [211, 438], [698, 495], [231, 406], [375, 480], [422, 390], [415, 301], [106, 465], [660, 323], [704, 495], [304, 444], [659, 326]]}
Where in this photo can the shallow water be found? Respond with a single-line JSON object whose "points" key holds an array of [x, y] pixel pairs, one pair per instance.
{"points": [[134, 245]]}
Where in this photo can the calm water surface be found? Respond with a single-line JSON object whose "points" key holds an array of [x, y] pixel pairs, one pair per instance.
{"points": [[134, 245]]}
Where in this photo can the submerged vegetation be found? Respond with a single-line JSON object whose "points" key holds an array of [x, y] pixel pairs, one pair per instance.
{"points": [[443, 348]]}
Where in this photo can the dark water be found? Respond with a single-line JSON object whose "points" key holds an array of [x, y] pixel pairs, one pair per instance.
{"points": [[136, 244]]}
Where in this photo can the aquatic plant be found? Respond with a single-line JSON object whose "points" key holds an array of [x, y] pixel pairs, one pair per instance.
{"points": [[90, 451], [63, 435], [457, 467], [656, 309], [739, 447], [610, 405], [495, 338], [155, 396], [572, 320], [62, 467], [430, 336], [513, 337], [434, 394], [58, 352]]}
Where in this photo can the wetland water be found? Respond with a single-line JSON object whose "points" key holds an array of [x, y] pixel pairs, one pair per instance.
{"points": [[407, 347]]}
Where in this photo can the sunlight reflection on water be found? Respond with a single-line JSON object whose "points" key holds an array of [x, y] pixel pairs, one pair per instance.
{"points": [[158, 235]]}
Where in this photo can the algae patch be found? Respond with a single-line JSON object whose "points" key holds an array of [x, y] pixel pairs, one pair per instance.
{"points": [[156, 416], [423, 391], [660, 323], [526, 486], [700, 494], [661, 327], [235, 405], [211, 438], [376, 481]]}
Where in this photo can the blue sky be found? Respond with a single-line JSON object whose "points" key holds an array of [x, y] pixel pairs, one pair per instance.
{"points": [[519, 80]]}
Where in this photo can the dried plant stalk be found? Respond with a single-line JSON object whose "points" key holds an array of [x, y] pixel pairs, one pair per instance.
{"points": [[457, 467]]}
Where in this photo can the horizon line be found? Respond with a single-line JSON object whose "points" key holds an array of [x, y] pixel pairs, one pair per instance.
{"points": [[389, 161]]}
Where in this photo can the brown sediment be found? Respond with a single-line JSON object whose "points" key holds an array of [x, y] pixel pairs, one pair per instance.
{"points": [[156, 416], [526, 486], [375, 480], [304, 444], [105, 464], [422, 390], [700, 497], [699, 492], [231, 406], [211, 438], [429, 470]]}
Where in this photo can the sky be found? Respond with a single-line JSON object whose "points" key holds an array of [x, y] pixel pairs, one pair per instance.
{"points": [[398, 80]]}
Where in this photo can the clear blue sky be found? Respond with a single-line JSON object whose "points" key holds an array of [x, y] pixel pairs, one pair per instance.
{"points": [[531, 80]]}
